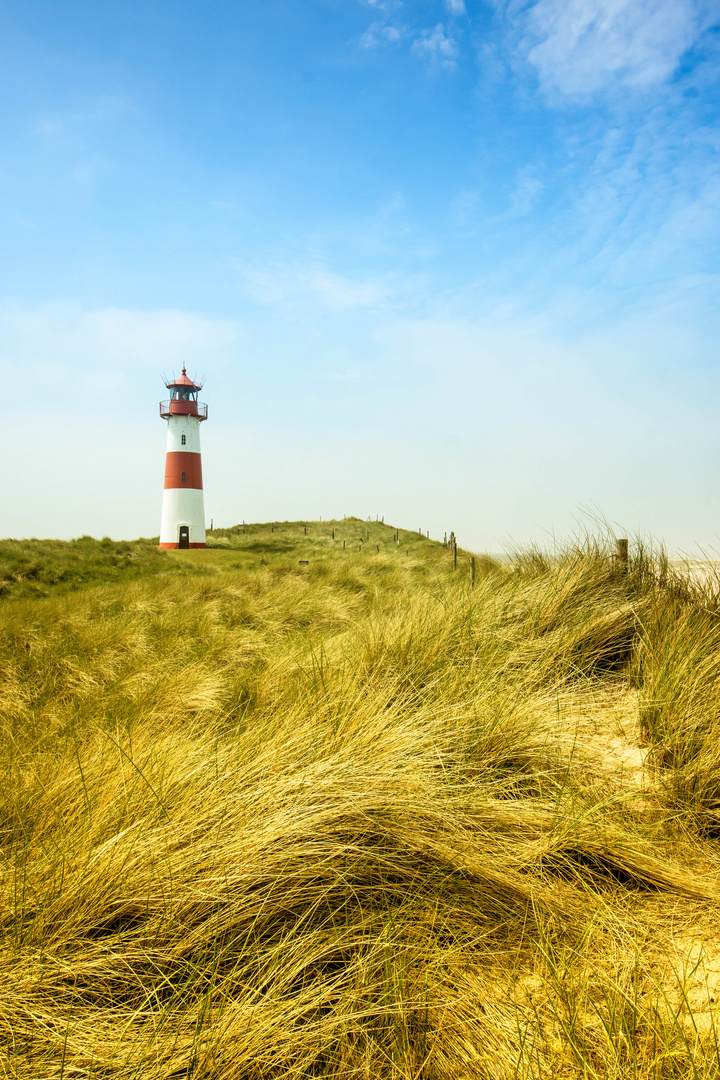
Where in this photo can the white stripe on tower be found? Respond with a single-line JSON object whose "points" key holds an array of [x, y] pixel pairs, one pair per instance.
{"points": [[183, 512]]}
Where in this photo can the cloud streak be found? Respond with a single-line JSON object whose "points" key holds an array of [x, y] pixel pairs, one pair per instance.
{"points": [[379, 33], [437, 47], [107, 340], [295, 284], [580, 47], [431, 44]]}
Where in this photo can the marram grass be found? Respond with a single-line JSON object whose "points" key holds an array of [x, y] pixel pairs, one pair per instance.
{"points": [[357, 820]]}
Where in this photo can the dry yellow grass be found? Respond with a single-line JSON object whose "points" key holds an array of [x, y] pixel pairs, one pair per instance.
{"points": [[359, 821]]}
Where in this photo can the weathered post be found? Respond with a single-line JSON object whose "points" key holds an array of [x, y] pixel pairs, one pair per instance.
{"points": [[455, 556], [621, 554], [472, 571]]}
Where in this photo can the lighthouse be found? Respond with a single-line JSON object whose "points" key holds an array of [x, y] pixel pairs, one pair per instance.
{"points": [[183, 513]]}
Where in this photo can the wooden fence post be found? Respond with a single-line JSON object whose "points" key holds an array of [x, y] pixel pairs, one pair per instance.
{"points": [[472, 571], [621, 554], [455, 556]]}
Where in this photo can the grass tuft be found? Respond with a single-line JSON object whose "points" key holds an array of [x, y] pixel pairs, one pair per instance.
{"points": [[355, 818]]}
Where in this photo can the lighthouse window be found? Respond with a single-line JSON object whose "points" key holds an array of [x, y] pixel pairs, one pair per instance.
{"points": [[183, 440], [184, 478]]}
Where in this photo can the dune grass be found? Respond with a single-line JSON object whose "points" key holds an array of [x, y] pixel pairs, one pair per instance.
{"points": [[355, 819], [35, 568]]}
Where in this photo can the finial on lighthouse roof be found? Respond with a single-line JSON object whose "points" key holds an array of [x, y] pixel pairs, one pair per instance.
{"points": [[184, 381]]}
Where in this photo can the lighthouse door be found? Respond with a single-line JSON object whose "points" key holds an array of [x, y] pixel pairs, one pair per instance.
{"points": [[184, 536]]}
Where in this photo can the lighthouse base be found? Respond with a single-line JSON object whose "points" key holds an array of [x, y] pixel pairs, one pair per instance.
{"points": [[183, 518], [176, 547]]}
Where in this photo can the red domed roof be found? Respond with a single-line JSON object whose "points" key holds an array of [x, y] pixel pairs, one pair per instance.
{"points": [[183, 380]]}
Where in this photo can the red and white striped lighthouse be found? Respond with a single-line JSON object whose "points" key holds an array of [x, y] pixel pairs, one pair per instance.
{"points": [[183, 512]]}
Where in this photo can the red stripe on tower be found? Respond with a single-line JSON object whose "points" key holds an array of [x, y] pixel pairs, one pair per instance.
{"points": [[183, 470]]}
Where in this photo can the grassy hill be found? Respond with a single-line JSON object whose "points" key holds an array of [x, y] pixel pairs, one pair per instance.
{"points": [[34, 568], [354, 818]]}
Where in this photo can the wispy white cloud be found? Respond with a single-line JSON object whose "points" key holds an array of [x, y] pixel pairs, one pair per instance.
{"points": [[432, 44], [625, 198], [579, 47], [104, 109], [632, 226], [90, 171], [465, 208], [297, 283], [387, 28], [525, 195], [70, 337], [650, 209], [436, 47], [379, 33]]}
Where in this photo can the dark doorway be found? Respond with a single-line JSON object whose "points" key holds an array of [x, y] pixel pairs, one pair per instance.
{"points": [[184, 536]]}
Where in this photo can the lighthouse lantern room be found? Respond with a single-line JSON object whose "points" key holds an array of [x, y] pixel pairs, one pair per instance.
{"points": [[183, 512]]}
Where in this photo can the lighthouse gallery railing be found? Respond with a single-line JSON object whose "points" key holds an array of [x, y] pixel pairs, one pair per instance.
{"points": [[183, 408]]}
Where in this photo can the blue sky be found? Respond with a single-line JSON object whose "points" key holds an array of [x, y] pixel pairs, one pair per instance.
{"points": [[450, 262]]}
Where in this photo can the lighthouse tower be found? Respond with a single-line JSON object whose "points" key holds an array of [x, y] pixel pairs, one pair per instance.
{"points": [[183, 513]]}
